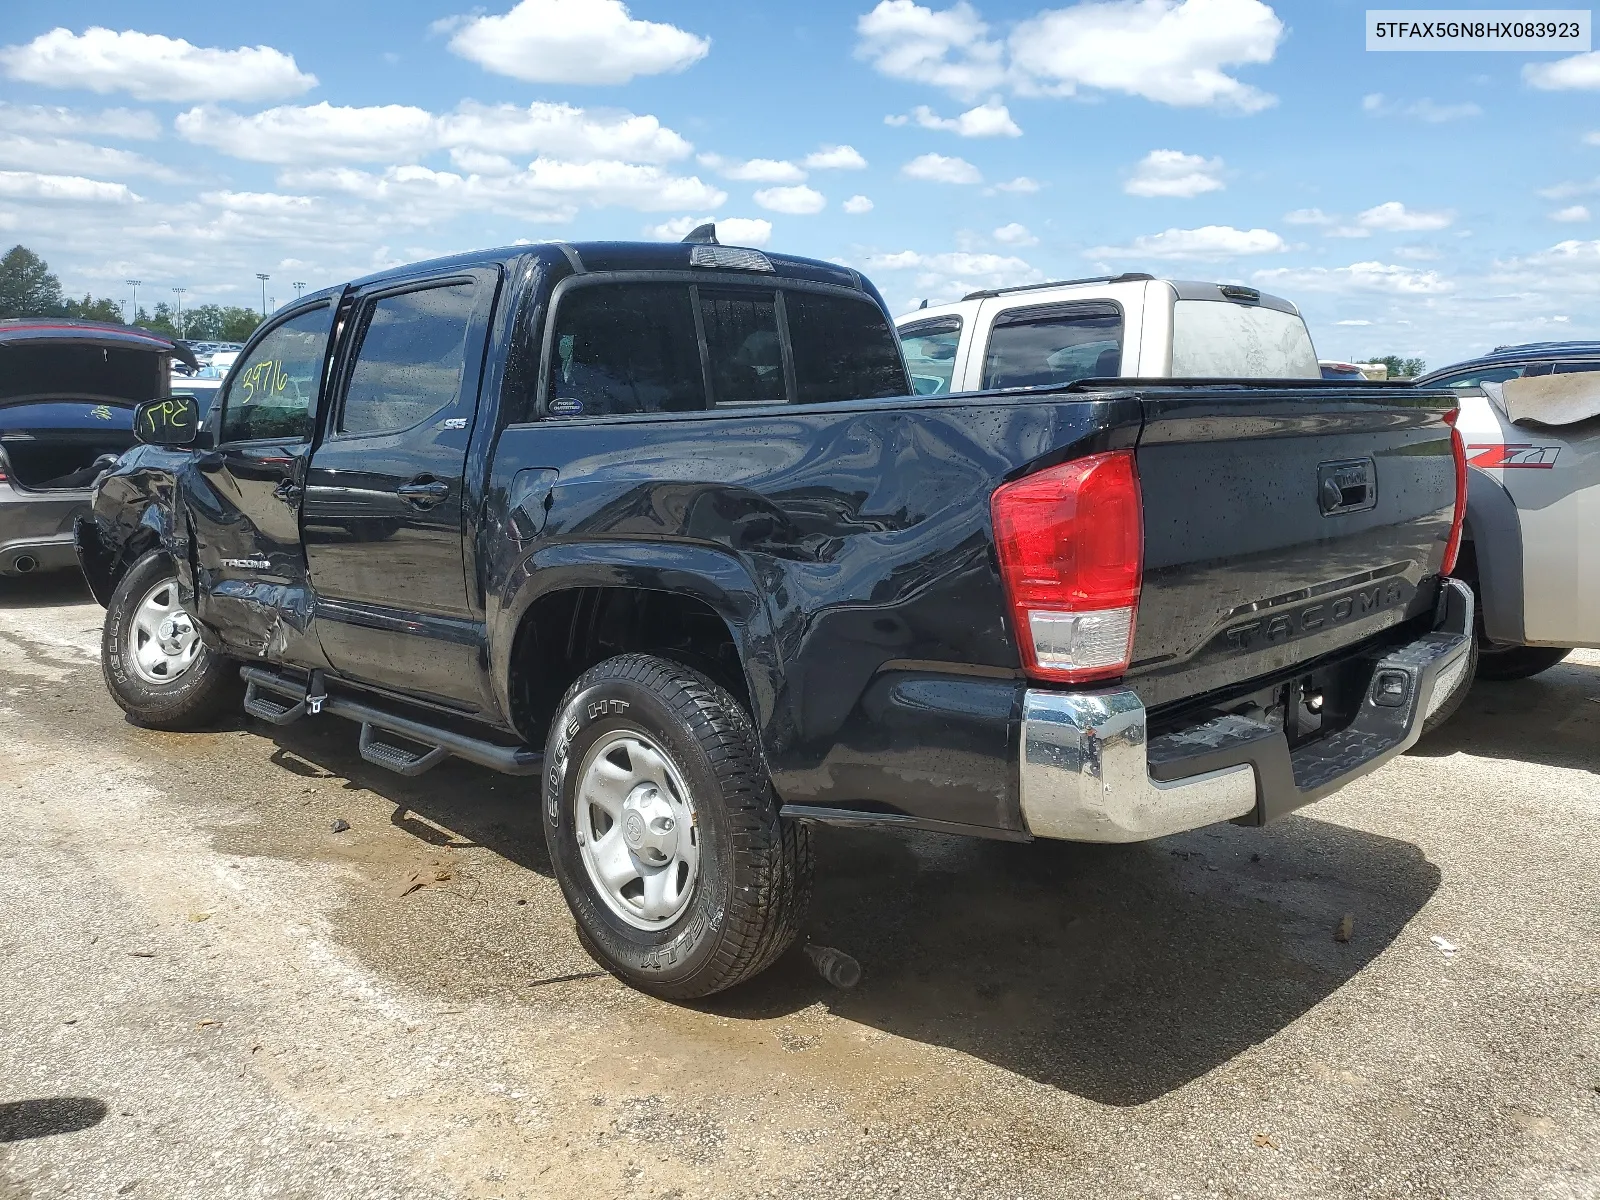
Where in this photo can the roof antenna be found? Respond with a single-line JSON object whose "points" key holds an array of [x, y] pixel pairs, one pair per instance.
{"points": [[923, 305], [704, 235]]}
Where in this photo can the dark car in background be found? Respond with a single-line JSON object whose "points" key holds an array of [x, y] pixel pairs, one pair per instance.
{"points": [[1514, 362], [67, 392]]}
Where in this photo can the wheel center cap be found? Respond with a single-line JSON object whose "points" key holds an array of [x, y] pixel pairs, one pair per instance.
{"points": [[171, 633], [648, 826]]}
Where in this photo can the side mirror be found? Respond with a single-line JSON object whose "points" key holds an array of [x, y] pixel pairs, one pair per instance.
{"points": [[173, 421]]}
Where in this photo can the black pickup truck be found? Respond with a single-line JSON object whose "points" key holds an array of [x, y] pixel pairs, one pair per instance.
{"points": [[661, 526]]}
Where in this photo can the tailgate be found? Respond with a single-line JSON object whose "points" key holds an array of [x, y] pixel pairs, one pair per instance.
{"points": [[1283, 524]]}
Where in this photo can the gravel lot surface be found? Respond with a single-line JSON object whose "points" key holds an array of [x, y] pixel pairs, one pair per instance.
{"points": [[211, 994]]}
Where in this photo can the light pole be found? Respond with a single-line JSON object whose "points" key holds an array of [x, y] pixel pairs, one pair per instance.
{"points": [[263, 279], [298, 288], [178, 292], [134, 284]]}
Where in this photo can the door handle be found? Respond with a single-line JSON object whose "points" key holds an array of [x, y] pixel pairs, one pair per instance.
{"points": [[288, 491], [423, 491]]}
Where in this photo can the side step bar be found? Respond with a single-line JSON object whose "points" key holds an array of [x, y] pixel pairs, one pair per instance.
{"points": [[261, 701]]}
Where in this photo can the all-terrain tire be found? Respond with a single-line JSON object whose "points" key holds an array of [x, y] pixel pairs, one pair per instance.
{"points": [[1517, 662], [207, 690], [753, 882]]}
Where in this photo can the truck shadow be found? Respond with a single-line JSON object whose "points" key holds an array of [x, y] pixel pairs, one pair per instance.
{"points": [[1117, 973], [1552, 719], [1114, 973], [454, 805]]}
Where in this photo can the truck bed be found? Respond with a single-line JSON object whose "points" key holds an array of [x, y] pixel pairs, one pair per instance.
{"points": [[863, 557]]}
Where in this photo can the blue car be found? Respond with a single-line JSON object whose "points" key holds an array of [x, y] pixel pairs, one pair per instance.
{"points": [[67, 391]]}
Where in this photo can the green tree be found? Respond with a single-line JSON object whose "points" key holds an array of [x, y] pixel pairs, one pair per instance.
{"points": [[27, 288], [163, 320], [1401, 368], [90, 309]]}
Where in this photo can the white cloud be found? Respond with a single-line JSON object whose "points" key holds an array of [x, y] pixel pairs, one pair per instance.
{"points": [[1576, 212], [1015, 234], [1356, 323], [1308, 216], [150, 66], [1426, 109], [1169, 51], [796, 201], [69, 189], [857, 205], [1435, 114], [754, 170], [1566, 267], [314, 133], [548, 190], [938, 168], [1357, 277], [1208, 243], [560, 129], [573, 41], [1581, 71], [948, 49], [111, 122], [1394, 217], [835, 158], [731, 231], [1021, 185], [949, 275], [1176, 174], [65, 155], [989, 119], [386, 133], [1566, 191], [1592, 139]]}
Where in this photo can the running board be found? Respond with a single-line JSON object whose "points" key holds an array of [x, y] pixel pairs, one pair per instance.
{"points": [[438, 743]]}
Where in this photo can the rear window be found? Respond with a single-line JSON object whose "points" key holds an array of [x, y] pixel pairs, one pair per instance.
{"points": [[636, 348], [844, 349], [1054, 345], [1219, 339]]}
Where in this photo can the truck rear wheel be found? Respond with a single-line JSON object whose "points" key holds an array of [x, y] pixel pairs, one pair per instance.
{"points": [[664, 831], [1517, 662], [155, 665]]}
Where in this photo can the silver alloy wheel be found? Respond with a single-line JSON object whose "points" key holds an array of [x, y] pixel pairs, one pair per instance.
{"points": [[163, 642], [636, 830]]}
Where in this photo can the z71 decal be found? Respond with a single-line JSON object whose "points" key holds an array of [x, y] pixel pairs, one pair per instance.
{"points": [[1539, 458]]}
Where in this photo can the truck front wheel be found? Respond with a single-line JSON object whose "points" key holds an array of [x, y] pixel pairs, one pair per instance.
{"points": [[155, 665], [664, 831]]}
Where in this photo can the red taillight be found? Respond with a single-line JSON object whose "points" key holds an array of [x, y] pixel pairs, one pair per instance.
{"points": [[1071, 546], [1458, 450]]}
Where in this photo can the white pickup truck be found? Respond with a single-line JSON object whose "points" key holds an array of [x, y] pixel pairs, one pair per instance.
{"points": [[1132, 325]]}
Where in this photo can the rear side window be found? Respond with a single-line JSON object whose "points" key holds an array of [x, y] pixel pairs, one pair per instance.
{"points": [[844, 349], [411, 360], [272, 392], [1218, 339], [742, 344], [1045, 347], [625, 348], [930, 350], [1576, 368]]}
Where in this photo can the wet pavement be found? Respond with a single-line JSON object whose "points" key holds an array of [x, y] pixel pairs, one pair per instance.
{"points": [[210, 993]]}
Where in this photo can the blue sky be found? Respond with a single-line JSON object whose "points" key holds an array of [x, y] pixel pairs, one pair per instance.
{"points": [[1431, 204]]}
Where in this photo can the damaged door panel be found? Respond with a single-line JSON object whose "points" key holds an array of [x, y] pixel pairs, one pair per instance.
{"points": [[243, 497]]}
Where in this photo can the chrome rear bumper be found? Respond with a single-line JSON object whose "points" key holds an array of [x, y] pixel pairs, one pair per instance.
{"points": [[1085, 765]]}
